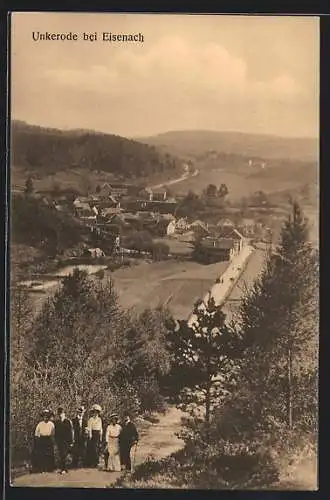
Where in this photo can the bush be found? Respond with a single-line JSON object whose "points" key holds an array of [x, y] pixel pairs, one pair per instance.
{"points": [[83, 348]]}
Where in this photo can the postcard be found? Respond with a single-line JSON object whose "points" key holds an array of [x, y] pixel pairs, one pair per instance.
{"points": [[164, 251]]}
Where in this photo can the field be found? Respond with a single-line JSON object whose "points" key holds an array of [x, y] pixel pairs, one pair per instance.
{"points": [[80, 179], [176, 247], [240, 183], [174, 284]]}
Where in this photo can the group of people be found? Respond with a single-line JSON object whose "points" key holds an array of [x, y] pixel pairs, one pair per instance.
{"points": [[85, 438]]}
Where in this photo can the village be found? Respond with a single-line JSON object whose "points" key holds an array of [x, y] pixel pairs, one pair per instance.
{"points": [[131, 234], [115, 212]]}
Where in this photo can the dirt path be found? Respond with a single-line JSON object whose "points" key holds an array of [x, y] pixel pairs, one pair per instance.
{"points": [[156, 441]]}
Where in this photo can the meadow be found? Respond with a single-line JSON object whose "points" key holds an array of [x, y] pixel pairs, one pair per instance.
{"points": [[175, 284]]}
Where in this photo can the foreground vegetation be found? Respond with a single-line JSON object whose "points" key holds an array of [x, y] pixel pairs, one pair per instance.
{"points": [[249, 389], [82, 348], [259, 414]]}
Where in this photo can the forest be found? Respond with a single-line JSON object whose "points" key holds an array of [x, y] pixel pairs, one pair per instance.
{"points": [[46, 151]]}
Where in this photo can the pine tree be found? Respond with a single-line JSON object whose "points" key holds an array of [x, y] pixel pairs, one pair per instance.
{"points": [[275, 316], [205, 360]]}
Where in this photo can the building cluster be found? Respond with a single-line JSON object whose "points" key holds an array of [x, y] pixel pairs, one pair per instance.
{"points": [[114, 210]]}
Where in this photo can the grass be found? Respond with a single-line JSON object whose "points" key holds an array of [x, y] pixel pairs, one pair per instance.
{"points": [[240, 184], [175, 284]]}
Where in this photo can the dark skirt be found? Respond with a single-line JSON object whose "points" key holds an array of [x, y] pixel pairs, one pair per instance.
{"points": [[43, 459], [93, 449]]}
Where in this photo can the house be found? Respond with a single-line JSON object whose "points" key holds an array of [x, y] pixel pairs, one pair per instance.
{"points": [[212, 249], [182, 225], [104, 191], [109, 202], [157, 194], [199, 228], [225, 223], [84, 211], [171, 228], [118, 190], [230, 233]]}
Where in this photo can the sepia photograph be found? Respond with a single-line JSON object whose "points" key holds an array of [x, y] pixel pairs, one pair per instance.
{"points": [[164, 251]]}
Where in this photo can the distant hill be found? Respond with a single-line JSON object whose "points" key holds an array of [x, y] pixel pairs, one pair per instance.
{"points": [[192, 143], [46, 151]]}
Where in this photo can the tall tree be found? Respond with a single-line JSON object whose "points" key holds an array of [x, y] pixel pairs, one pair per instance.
{"points": [[205, 359], [223, 191], [274, 317]]}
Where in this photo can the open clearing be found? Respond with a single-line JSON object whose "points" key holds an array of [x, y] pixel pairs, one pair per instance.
{"points": [[240, 184], [174, 284]]}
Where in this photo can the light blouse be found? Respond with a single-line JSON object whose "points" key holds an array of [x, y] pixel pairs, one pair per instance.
{"points": [[113, 431], [94, 424], [45, 429]]}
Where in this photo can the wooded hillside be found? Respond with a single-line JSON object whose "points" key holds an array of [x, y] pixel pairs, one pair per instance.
{"points": [[46, 151]]}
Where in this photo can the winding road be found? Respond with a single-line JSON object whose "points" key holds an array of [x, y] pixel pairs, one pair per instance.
{"points": [[183, 177]]}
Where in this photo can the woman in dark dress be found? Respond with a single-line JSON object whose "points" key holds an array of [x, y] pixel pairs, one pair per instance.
{"points": [[95, 433], [43, 453]]}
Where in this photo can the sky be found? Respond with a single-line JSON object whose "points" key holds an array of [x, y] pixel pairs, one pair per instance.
{"points": [[192, 72]]}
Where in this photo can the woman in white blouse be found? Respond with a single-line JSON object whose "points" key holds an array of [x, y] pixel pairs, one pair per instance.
{"points": [[95, 431], [112, 439], [43, 453]]}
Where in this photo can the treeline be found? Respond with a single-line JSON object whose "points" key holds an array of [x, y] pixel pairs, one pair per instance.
{"points": [[82, 348], [46, 151], [250, 388]]}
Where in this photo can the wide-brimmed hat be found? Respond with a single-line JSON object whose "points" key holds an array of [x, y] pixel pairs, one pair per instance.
{"points": [[97, 408], [45, 412], [114, 415]]}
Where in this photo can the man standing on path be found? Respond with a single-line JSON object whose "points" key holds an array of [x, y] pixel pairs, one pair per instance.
{"points": [[79, 424], [128, 438], [63, 438]]}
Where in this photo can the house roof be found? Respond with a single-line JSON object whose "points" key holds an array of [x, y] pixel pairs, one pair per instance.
{"points": [[225, 222], [229, 232], [199, 223], [156, 190], [218, 243]]}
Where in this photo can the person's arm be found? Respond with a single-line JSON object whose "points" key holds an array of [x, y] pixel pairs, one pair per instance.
{"points": [[89, 428], [37, 431], [101, 431], [107, 432], [52, 432], [71, 432], [136, 434]]}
